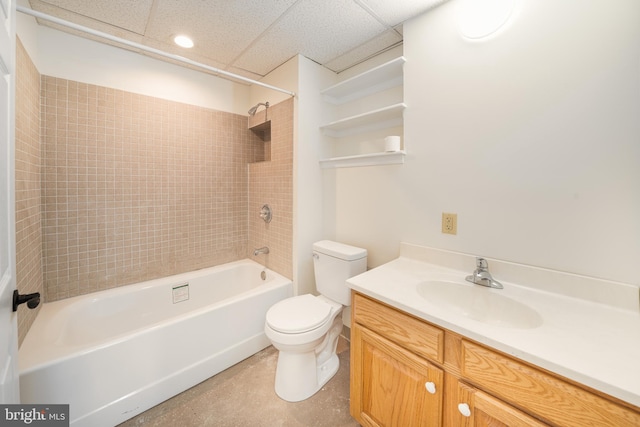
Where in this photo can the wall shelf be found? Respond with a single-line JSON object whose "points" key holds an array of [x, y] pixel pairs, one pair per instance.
{"points": [[385, 76], [263, 130], [371, 120], [374, 123], [372, 159]]}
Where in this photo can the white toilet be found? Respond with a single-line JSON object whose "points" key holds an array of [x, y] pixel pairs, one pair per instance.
{"points": [[305, 328]]}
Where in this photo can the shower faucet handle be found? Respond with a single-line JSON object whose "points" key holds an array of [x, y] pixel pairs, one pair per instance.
{"points": [[265, 213]]}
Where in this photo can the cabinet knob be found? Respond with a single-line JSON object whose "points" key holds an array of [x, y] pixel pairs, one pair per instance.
{"points": [[430, 386], [464, 409]]}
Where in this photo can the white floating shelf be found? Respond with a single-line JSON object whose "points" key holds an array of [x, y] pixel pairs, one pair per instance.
{"points": [[372, 159], [377, 79], [372, 120]]}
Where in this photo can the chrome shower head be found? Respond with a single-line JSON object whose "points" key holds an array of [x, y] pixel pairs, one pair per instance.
{"points": [[252, 110]]}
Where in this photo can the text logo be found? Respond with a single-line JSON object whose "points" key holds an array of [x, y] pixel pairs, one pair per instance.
{"points": [[34, 415]]}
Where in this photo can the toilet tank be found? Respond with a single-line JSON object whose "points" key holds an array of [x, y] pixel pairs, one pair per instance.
{"points": [[333, 264]]}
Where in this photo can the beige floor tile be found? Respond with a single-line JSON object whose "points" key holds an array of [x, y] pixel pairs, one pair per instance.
{"points": [[243, 395]]}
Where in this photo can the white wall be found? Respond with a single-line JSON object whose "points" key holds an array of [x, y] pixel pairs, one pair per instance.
{"points": [[58, 54], [309, 148], [285, 77], [27, 31], [532, 137]]}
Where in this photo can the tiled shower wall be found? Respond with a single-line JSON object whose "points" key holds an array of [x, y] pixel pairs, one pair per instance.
{"points": [[27, 176], [136, 187], [272, 183]]}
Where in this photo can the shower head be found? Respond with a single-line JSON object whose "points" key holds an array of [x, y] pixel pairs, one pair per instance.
{"points": [[253, 109]]}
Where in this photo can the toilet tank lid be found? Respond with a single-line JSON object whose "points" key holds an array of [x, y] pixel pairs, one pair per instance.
{"points": [[339, 250]]}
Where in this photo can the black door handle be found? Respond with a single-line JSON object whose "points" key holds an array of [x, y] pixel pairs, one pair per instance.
{"points": [[32, 300]]}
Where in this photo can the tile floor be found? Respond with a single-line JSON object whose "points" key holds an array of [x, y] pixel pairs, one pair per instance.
{"points": [[243, 396]]}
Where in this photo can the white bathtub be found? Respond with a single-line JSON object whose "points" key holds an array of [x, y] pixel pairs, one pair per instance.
{"points": [[114, 354]]}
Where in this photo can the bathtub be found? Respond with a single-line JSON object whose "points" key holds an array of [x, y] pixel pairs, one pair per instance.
{"points": [[113, 354]]}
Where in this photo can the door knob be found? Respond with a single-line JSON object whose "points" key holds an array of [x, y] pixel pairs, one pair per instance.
{"points": [[430, 386], [464, 409], [32, 300]]}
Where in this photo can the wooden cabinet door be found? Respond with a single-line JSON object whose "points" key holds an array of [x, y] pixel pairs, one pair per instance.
{"points": [[548, 396], [390, 386], [473, 408]]}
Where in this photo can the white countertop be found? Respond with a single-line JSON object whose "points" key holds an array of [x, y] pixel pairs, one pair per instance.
{"points": [[592, 343]]}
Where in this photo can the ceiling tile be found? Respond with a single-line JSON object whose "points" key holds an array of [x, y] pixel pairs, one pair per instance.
{"points": [[320, 30], [244, 73], [248, 36], [220, 29], [364, 51], [174, 49], [394, 12], [126, 14]]}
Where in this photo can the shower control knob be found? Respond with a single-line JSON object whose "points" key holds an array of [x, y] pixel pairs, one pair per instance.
{"points": [[32, 300], [265, 213]]}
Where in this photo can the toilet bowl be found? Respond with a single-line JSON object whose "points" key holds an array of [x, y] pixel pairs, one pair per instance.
{"points": [[307, 358], [305, 328]]}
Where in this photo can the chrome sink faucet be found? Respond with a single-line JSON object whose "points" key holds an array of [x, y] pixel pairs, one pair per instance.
{"points": [[481, 275]]}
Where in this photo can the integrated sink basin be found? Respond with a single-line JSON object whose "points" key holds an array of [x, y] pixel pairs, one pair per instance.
{"points": [[480, 304]]}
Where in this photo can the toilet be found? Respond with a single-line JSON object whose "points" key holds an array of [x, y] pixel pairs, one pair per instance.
{"points": [[305, 328]]}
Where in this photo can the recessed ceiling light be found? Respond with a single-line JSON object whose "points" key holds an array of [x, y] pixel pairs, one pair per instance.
{"points": [[477, 20], [183, 41]]}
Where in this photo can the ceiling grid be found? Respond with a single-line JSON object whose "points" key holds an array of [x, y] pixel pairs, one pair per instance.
{"points": [[247, 37]]}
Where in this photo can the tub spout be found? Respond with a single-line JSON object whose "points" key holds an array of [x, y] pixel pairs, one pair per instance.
{"points": [[262, 250]]}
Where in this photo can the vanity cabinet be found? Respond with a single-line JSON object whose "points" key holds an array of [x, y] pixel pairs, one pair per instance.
{"points": [[395, 355], [397, 383]]}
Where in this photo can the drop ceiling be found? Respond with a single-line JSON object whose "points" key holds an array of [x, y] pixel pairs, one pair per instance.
{"points": [[249, 37]]}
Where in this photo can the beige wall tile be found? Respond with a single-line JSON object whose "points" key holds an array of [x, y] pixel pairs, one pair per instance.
{"points": [[144, 187], [114, 188], [27, 175], [271, 182]]}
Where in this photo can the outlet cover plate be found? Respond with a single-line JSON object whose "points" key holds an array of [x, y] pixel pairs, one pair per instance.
{"points": [[449, 223]]}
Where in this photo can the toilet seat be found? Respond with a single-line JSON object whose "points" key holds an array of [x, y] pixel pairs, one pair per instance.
{"points": [[298, 314]]}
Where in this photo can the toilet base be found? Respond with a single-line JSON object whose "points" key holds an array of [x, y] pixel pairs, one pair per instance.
{"points": [[301, 375]]}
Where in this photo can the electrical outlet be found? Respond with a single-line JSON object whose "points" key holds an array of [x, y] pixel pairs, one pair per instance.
{"points": [[449, 223]]}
